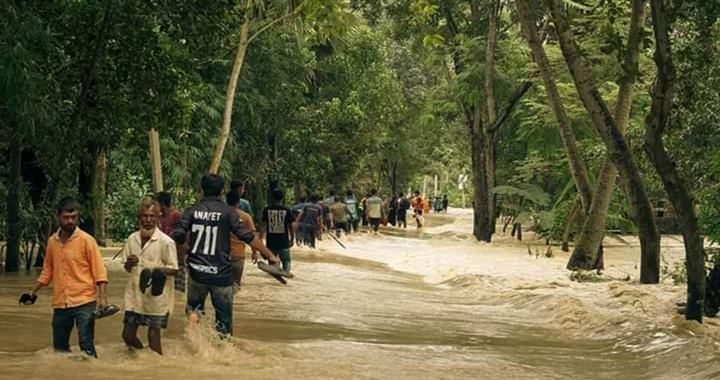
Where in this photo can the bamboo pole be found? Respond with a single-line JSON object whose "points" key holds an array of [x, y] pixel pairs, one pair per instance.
{"points": [[155, 161]]}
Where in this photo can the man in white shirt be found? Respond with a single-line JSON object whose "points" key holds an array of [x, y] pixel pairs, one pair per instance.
{"points": [[374, 210], [150, 256]]}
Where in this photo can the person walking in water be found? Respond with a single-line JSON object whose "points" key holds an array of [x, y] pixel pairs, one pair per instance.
{"points": [[310, 220], [403, 204], [237, 246], [169, 219], [149, 258], [237, 186], [419, 206], [354, 213], [210, 223], [74, 266], [339, 215], [374, 210], [295, 211], [277, 229], [392, 210]]}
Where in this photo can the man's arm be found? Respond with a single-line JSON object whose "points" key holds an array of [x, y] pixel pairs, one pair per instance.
{"points": [[97, 267], [256, 244], [291, 230], [102, 294], [130, 259], [47, 272]]}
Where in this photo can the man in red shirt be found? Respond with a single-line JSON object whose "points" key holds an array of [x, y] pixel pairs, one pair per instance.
{"points": [[170, 216]]}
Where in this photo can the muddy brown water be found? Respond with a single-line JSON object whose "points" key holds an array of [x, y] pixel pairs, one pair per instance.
{"points": [[344, 318]]}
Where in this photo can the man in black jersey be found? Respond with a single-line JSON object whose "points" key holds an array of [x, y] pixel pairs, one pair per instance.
{"points": [[210, 223], [277, 228]]}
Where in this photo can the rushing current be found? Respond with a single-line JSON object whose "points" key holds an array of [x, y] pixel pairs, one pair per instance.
{"points": [[400, 305]]}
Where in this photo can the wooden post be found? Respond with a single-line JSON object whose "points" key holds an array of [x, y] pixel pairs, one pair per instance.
{"points": [[424, 192], [155, 161], [436, 186]]}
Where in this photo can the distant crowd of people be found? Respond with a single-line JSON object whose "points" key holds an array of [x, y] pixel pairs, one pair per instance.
{"points": [[340, 214]]}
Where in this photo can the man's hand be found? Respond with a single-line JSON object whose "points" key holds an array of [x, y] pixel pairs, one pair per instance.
{"points": [[255, 257], [131, 261], [291, 243], [274, 260]]}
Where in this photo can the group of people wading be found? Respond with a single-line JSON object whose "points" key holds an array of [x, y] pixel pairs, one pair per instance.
{"points": [[200, 251]]}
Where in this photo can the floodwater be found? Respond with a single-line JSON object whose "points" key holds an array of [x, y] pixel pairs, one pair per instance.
{"points": [[405, 305]]}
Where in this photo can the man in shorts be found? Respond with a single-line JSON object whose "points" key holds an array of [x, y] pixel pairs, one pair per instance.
{"points": [[150, 257]]}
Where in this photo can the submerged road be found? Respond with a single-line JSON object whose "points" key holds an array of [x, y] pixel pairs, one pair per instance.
{"points": [[340, 318]]}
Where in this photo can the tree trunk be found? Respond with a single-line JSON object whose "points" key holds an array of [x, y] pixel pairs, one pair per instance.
{"points": [[230, 96], [491, 106], [481, 214], [99, 193], [569, 221], [593, 230], [575, 160], [655, 123], [12, 249], [614, 140], [86, 181]]}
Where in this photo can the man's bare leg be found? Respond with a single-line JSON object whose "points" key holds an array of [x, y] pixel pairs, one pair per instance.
{"points": [[154, 340], [129, 335]]}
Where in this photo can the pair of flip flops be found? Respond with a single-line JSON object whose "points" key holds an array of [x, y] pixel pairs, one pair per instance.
{"points": [[105, 311], [154, 279], [274, 271]]}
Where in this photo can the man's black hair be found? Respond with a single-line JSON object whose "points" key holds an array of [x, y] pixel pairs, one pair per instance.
{"points": [[277, 195], [212, 185], [373, 192], [236, 183], [314, 197], [332, 193], [67, 204], [417, 192], [164, 198], [402, 194], [232, 198], [349, 193]]}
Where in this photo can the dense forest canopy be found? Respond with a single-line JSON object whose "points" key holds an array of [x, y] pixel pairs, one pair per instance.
{"points": [[336, 95]]}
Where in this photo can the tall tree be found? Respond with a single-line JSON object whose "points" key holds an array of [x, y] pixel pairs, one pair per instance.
{"points": [[614, 140], [655, 126], [589, 243]]}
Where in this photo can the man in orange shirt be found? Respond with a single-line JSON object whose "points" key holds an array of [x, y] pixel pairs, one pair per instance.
{"points": [[75, 267], [419, 205], [237, 246]]}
